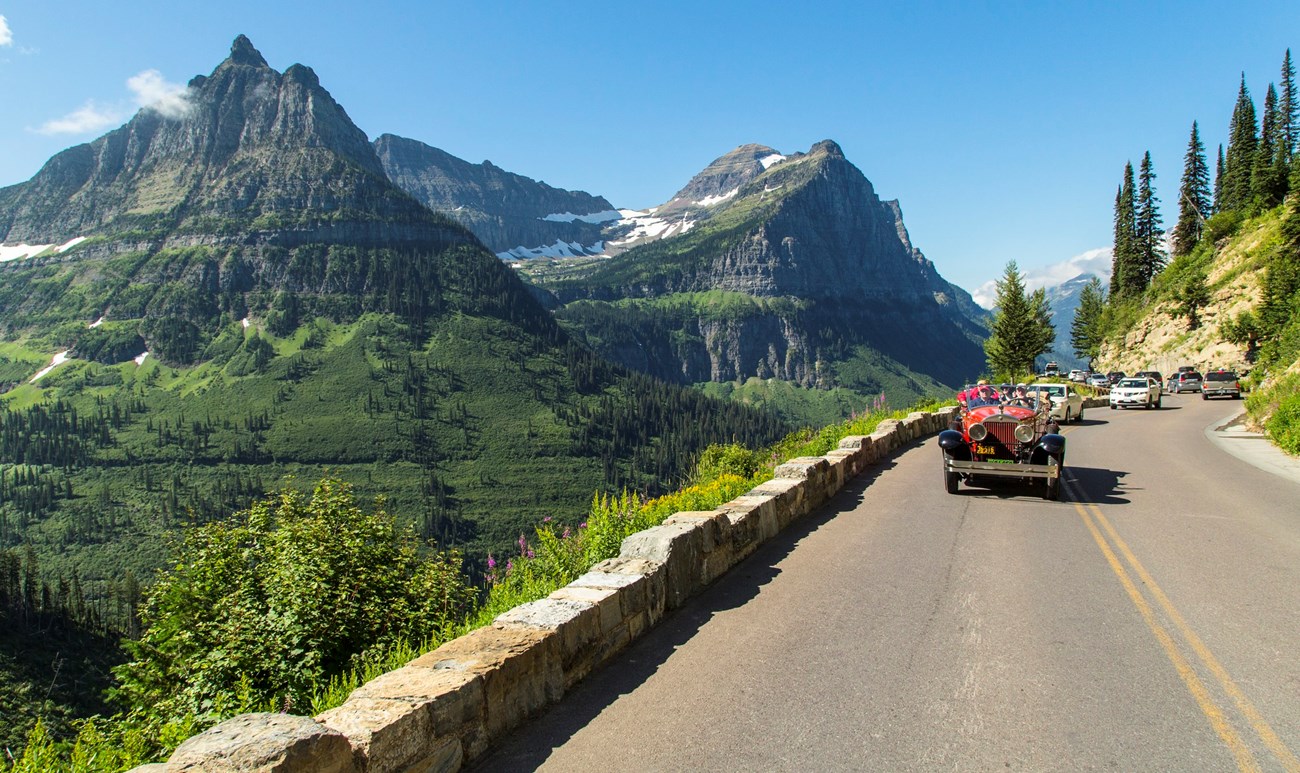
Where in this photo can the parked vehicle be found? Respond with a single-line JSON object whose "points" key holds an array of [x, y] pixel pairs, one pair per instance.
{"points": [[1098, 380], [1134, 392], [1114, 376], [1185, 381], [1154, 375], [1078, 375], [1067, 403], [1004, 441], [1221, 383]]}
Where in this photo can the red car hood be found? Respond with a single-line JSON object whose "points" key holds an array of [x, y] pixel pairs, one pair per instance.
{"points": [[1013, 411]]}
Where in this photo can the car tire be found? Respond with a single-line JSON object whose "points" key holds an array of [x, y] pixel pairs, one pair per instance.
{"points": [[1079, 419], [1112, 406], [950, 479], [1157, 402], [1204, 396], [1052, 489]]}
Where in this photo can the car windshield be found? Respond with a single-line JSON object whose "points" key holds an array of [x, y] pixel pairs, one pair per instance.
{"points": [[1223, 376], [1134, 383], [1189, 376], [1055, 390]]}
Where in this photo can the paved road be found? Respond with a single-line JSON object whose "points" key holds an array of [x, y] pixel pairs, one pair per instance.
{"points": [[1151, 622]]}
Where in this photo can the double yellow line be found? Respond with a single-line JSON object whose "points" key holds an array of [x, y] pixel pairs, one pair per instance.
{"points": [[1097, 524]]}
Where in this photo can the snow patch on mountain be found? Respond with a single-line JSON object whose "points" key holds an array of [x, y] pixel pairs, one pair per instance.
{"points": [[767, 161], [20, 251], [645, 226], [595, 217], [58, 360], [709, 201], [560, 249]]}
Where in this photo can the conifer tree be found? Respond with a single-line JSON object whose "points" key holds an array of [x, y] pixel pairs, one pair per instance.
{"points": [[1217, 206], [1268, 174], [1148, 234], [1240, 159], [1022, 327], [1125, 278], [1193, 196], [1085, 330], [1288, 110]]}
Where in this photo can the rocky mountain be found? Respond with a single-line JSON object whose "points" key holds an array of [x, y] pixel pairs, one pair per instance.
{"points": [[1063, 300], [515, 216], [777, 266]]}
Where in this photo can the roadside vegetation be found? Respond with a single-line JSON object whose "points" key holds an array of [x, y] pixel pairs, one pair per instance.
{"points": [[236, 623]]}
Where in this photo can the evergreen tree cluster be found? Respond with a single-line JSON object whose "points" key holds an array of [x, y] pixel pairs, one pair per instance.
{"points": [[1022, 327], [1253, 174]]}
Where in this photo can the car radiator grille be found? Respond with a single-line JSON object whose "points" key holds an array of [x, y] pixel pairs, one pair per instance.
{"points": [[1004, 432]]}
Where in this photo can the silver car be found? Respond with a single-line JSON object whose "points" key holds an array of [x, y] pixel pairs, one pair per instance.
{"points": [[1187, 381], [1067, 404], [1221, 383]]}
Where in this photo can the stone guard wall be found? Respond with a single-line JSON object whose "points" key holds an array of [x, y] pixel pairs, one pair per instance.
{"points": [[443, 709]]}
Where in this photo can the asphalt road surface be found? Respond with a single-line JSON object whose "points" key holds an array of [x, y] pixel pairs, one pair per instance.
{"points": [[1150, 621]]}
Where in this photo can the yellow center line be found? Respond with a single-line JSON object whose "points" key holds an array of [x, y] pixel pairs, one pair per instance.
{"points": [[1245, 760], [1257, 721]]}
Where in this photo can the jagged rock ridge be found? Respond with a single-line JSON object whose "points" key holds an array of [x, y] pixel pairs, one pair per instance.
{"points": [[506, 211]]}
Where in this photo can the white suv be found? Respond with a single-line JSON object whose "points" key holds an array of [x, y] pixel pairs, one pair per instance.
{"points": [[1134, 392]]}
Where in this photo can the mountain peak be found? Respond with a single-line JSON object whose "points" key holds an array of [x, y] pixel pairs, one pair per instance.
{"points": [[243, 52], [829, 147]]}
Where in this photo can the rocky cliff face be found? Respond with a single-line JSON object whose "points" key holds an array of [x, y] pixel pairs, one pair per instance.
{"points": [[506, 211]]}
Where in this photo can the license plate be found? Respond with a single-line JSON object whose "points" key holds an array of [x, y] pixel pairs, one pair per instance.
{"points": [[984, 450]]}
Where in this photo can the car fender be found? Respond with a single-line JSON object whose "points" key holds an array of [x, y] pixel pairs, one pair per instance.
{"points": [[1051, 444], [954, 443]]}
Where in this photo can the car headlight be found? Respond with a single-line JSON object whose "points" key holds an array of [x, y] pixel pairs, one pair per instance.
{"points": [[978, 432], [1025, 433]]}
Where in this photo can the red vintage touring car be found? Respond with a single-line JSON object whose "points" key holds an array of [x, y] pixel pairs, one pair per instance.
{"points": [[1004, 438]]}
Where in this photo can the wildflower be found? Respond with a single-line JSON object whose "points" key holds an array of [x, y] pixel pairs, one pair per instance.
{"points": [[565, 535], [547, 519], [492, 562]]}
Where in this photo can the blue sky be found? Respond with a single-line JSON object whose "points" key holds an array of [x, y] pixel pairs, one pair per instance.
{"points": [[1001, 127]]}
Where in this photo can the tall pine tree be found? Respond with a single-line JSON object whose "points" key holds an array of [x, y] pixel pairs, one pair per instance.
{"points": [[1288, 110], [1125, 277], [1148, 234], [1193, 196], [1021, 330], [1085, 330], [1268, 173], [1217, 206], [1240, 159]]}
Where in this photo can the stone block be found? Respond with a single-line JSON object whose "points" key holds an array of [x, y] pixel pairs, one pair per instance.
{"points": [[649, 585], [390, 735], [577, 624], [275, 743], [680, 548], [788, 496], [801, 468], [519, 665], [753, 522], [719, 556]]}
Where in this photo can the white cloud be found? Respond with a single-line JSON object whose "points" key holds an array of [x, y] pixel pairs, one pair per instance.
{"points": [[153, 92], [6, 36], [88, 118], [150, 91]]}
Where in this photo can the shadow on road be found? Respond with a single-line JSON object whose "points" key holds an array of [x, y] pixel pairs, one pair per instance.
{"points": [[1098, 486], [529, 746]]}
